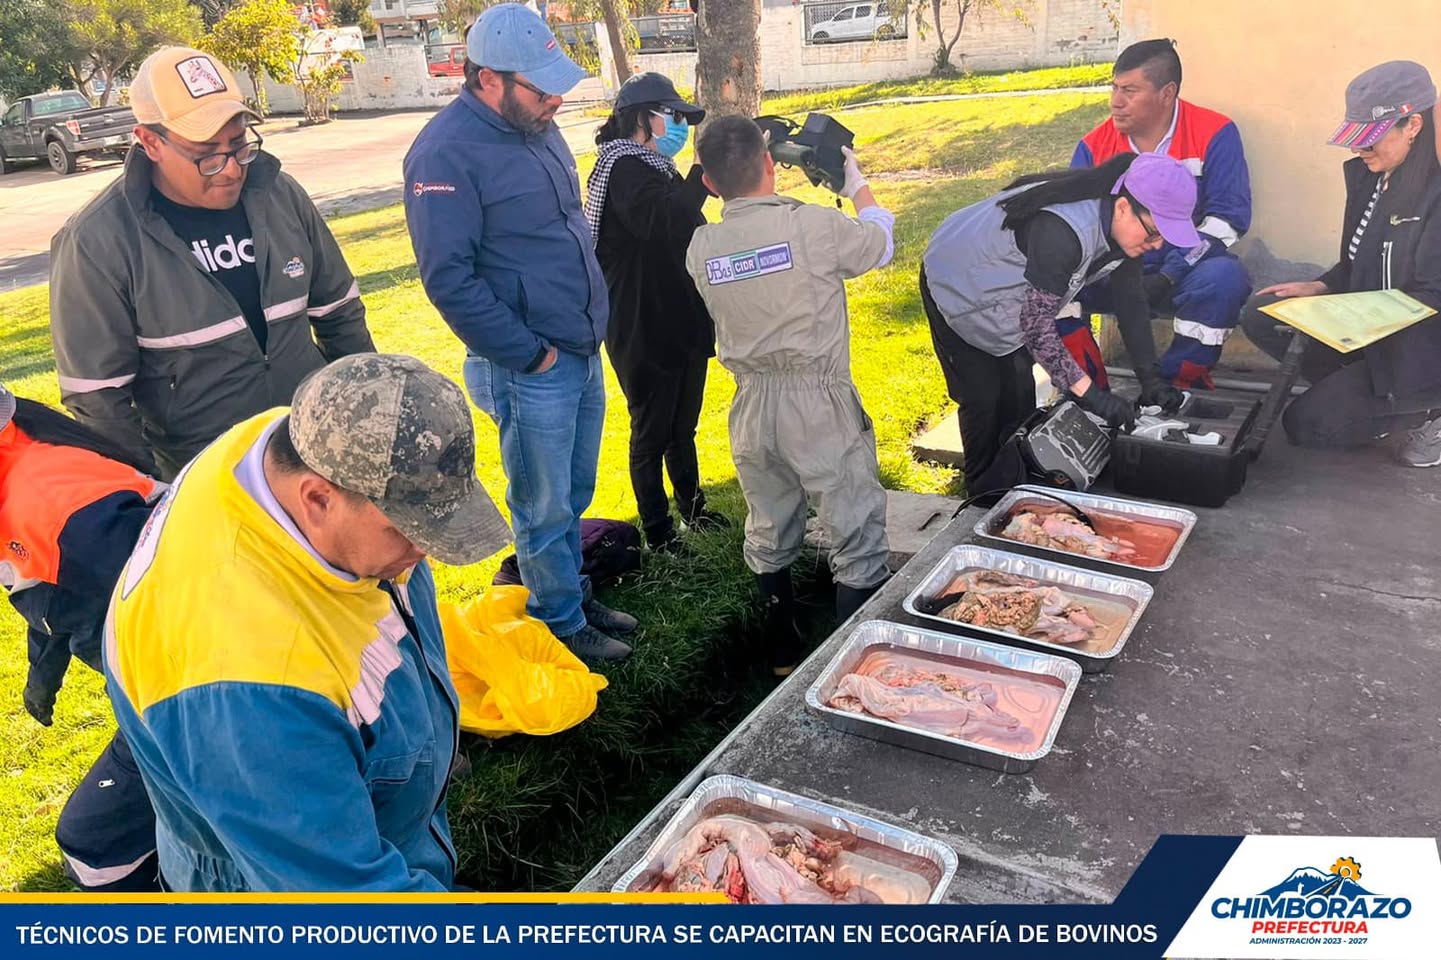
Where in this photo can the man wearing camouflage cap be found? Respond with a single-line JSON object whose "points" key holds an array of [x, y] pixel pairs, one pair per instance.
{"points": [[274, 654]]}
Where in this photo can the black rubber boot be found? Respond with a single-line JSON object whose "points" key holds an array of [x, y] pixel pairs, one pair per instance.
{"points": [[851, 599], [782, 636]]}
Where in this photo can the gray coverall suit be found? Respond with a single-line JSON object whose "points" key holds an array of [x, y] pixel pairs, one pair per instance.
{"points": [[772, 276]]}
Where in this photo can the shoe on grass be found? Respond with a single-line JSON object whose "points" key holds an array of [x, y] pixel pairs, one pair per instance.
{"points": [[605, 619], [588, 643], [704, 520], [1423, 445]]}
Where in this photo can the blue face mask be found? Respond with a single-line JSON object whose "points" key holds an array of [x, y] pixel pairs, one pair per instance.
{"points": [[677, 132]]}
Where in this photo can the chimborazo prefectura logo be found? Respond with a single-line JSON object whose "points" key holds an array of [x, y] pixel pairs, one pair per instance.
{"points": [[1315, 902]]}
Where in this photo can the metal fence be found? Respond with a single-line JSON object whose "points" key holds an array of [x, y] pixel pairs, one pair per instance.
{"points": [[839, 22], [666, 32]]}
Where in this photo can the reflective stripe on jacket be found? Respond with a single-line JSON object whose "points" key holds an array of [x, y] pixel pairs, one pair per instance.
{"points": [[154, 352]]}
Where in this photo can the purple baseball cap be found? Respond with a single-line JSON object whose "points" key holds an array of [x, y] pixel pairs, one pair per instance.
{"points": [[1379, 98], [510, 38], [1168, 190]]}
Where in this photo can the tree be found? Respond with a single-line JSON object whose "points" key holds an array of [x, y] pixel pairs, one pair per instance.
{"points": [[257, 36], [211, 11], [459, 14], [28, 60], [107, 38], [942, 66], [354, 13], [728, 65], [318, 70], [615, 14]]}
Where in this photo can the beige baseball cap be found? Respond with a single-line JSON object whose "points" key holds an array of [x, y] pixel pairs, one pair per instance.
{"points": [[190, 92]]}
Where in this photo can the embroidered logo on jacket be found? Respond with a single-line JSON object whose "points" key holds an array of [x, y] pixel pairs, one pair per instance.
{"points": [[748, 264], [294, 269], [421, 188]]}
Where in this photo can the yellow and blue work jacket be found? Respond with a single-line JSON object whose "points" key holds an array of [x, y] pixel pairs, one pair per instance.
{"points": [[294, 725]]}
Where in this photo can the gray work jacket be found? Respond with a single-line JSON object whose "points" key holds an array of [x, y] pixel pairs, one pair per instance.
{"points": [[154, 352], [977, 274]]}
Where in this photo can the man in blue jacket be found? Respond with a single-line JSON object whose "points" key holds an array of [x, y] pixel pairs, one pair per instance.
{"points": [[1204, 287], [492, 199], [291, 711]]}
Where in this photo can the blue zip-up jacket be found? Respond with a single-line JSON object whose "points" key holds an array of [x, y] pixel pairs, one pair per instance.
{"points": [[502, 245], [1208, 144], [294, 725]]}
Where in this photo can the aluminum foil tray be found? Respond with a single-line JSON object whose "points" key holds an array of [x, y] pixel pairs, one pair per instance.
{"points": [[875, 633], [989, 526], [934, 862], [1079, 583]]}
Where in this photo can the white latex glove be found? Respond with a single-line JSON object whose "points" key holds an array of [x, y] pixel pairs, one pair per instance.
{"points": [[854, 178]]}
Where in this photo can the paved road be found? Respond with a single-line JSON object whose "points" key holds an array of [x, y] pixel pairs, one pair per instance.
{"points": [[348, 165]]}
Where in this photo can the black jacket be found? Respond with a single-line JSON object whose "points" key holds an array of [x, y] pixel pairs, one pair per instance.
{"points": [[1400, 250], [656, 315]]}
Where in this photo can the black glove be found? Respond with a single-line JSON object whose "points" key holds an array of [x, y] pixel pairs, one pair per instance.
{"points": [[1156, 392], [1158, 289], [1116, 411]]}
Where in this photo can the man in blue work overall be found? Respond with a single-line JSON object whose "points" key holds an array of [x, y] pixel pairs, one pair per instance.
{"points": [[492, 199]]}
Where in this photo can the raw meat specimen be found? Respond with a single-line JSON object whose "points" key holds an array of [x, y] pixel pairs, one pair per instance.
{"points": [[1019, 605], [756, 863], [1003, 710], [1063, 531]]}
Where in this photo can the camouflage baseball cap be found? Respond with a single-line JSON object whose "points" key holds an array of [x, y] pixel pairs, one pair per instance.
{"points": [[390, 428]]}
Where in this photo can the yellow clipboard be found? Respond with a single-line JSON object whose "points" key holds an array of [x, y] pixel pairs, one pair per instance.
{"points": [[1350, 321]]}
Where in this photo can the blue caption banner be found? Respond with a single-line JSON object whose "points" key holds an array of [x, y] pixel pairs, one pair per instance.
{"points": [[1140, 923]]}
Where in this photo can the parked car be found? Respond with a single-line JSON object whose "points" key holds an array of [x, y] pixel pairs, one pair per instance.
{"points": [[451, 62], [59, 127], [858, 21]]}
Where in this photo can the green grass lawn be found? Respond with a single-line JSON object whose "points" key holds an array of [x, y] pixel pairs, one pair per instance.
{"points": [[537, 812], [835, 98]]}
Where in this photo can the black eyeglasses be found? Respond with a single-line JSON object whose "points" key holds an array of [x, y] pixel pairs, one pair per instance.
{"points": [[515, 79], [212, 163], [1152, 233]]}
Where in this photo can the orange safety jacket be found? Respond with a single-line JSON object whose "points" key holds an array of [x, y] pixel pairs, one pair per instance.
{"points": [[41, 486]]}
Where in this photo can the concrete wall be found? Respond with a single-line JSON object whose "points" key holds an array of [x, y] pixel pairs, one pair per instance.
{"points": [[1280, 69], [391, 79], [1059, 32], [394, 79]]}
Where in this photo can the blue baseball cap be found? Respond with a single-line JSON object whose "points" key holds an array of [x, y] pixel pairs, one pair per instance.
{"points": [[511, 38]]}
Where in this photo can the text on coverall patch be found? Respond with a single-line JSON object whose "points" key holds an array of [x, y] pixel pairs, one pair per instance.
{"points": [[751, 263]]}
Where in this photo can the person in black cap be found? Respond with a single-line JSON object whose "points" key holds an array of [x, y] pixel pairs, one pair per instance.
{"points": [[1390, 239], [642, 213]]}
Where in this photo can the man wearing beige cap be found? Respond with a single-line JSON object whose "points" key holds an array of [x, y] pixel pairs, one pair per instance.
{"points": [[290, 710], [200, 287]]}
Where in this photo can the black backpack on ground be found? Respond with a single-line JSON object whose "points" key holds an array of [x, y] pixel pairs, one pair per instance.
{"points": [[609, 549]]}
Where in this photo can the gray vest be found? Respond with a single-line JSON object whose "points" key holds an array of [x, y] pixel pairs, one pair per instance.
{"points": [[977, 274]]}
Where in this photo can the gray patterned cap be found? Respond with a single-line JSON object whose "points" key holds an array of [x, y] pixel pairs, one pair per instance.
{"points": [[7, 406], [393, 430]]}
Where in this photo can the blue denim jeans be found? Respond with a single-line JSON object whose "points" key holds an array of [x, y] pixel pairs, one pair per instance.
{"points": [[550, 428]]}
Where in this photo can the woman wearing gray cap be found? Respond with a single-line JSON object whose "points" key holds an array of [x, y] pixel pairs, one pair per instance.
{"points": [[642, 213], [1390, 239]]}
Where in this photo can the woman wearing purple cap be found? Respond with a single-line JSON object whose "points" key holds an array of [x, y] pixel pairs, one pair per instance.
{"points": [[642, 213], [1390, 239], [997, 273]]}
